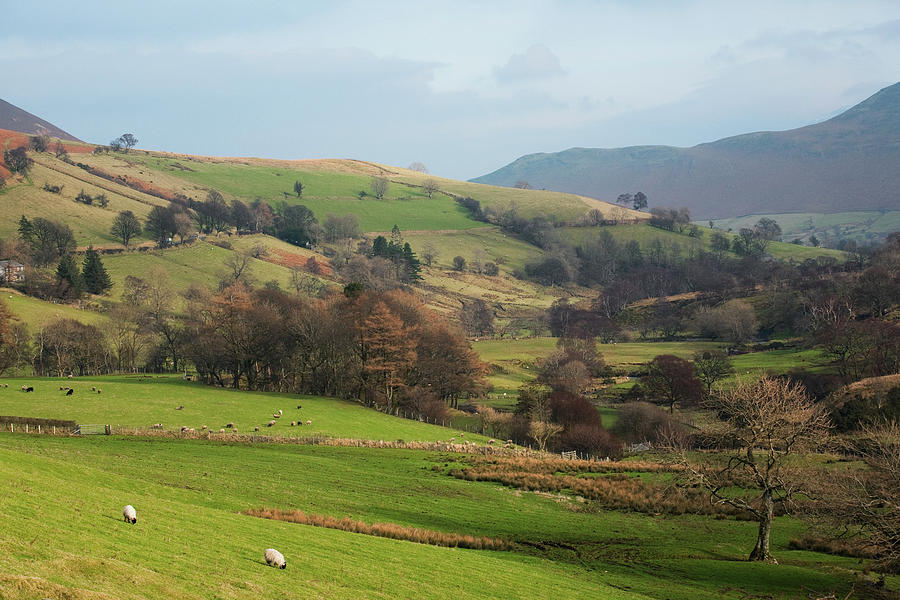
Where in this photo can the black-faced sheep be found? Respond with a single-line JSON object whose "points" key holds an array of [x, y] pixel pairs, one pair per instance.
{"points": [[271, 423], [130, 514], [28, 389], [274, 558], [70, 392]]}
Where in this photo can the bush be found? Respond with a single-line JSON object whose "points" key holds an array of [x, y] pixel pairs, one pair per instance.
{"points": [[590, 440], [643, 422]]}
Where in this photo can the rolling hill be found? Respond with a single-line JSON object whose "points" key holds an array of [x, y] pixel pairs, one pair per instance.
{"points": [[849, 162], [15, 119]]}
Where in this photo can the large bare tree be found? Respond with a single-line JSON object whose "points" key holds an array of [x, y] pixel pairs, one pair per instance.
{"points": [[867, 501], [765, 422]]}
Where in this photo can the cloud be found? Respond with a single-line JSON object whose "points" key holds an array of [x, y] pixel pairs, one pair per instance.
{"points": [[538, 62]]}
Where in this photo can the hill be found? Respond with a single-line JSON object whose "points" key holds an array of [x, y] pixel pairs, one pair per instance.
{"points": [[849, 161], [15, 119]]}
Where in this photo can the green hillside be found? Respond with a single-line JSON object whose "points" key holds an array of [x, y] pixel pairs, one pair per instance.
{"points": [[191, 540], [133, 402], [645, 234], [37, 313], [860, 226]]}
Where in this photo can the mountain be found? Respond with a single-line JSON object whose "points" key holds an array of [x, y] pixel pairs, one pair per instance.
{"points": [[15, 119], [849, 162]]}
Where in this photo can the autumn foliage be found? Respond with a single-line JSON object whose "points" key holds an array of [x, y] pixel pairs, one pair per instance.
{"points": [[385, 349]]}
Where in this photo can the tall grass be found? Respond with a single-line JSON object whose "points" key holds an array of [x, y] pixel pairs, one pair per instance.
{"points": [[386, 530]]}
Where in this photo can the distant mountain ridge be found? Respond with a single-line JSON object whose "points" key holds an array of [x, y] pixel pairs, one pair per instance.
{"points": [[14, 118], [849, 162]]}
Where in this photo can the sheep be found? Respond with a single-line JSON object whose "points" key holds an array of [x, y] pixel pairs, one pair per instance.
{"points": [[28, 389], [156, 426], [299, 407], [229, 426], [276, 416], [99, 390], [256, 429], [274, 558], [93, 388], [280, 412], [293, 423], [179, 407], [271, 423], [205, 428], [308, 422], [222, 430], [70, 392], [130, 514]]}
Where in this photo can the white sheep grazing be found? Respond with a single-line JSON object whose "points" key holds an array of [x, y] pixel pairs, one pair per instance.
{"points": [[308, 422], [130, 514], [222, 430], [280, 412], [274, 558], [272, 423]]}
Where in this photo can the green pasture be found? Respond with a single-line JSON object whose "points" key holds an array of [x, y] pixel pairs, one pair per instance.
{"points": [[859, 225], [645, 234], [199, 263], [487, 244], [37, 313], [63, 534], [89, 223], [324, 192], [516, 360], [139, 402]]}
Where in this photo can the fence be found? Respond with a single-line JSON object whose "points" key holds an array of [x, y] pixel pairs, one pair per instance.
{"points": [[92, 430], [35, 425]]}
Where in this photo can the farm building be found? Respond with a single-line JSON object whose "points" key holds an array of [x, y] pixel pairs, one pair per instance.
{"points": [[11, 271]]}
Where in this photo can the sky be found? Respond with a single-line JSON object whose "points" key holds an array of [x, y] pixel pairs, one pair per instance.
{"points": [[463, 87]]}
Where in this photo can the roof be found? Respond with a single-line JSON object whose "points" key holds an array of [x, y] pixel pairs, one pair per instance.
{"points": [[11, 263]]}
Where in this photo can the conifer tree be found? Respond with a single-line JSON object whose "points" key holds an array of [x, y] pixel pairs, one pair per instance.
{"points": [[96, 279], [68, 279]]}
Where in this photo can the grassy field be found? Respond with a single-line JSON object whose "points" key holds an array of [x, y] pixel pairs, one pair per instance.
{"points": [[645, 234], [858, 225], [516, 360], [37, 313], [484, 244], [199, 263], [63, 535], [139, 402], [90, 224]]}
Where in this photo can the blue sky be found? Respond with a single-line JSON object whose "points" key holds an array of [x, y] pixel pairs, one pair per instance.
{"points": [[464, 87]]}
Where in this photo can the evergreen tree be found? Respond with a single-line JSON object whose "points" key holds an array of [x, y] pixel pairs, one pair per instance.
{"points": [[68, 279], [96, 279], [413, 266]]}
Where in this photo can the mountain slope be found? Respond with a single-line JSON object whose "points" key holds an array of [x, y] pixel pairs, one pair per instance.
{"points": [[850, 162], [15, 119]]}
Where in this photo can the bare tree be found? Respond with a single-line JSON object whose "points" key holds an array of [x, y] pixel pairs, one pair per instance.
{"points": [[766, 421], [429, 253], [867, 501], [542, 432], [379, 186], [240, 266], [125, 227], [419, 167], [430, 187]]}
